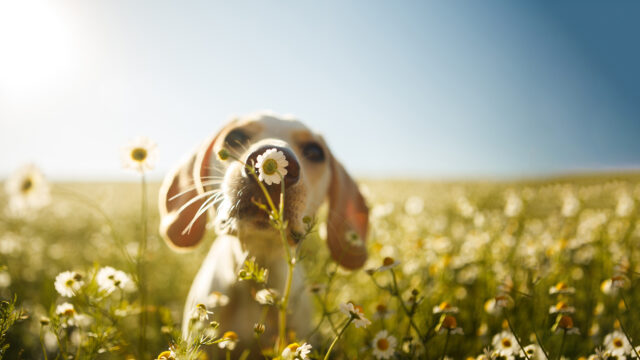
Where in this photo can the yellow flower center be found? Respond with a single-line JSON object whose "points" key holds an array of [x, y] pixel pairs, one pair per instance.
{"points": [[269, 167], [139, 154], [617, 343], [230, 335], [69, 283], [69, 312], [561, 286], [444, 305], [27, 185], [449, 322], [293, 347], [506, 343], [382, 344]]}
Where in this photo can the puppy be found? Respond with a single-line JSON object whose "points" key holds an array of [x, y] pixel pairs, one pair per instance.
{"points": [[204, 181]]}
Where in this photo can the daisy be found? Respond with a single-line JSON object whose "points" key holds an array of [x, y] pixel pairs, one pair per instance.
{"points": [[445, 308], [449, 324], [617, 344], [296, 351], [66, 310], [200, 313], [68, 283], [505, 343], [140, 154], [267, 296], [561, 308], [533, 352], [167, 355], [217, 299], [383, 345], [230, 339], [356, 313], [110, 279], [565, 322], [27, 190], [388, 263], [561, 288], [271, 165]]}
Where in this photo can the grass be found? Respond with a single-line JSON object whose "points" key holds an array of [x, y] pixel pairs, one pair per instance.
{"points": [[462, 243]]}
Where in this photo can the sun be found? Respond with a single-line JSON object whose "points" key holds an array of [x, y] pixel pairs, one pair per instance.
{"points": [[35, 42]]}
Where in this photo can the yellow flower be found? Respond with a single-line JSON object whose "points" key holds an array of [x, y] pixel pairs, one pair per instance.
{"points": [[230, 339]]}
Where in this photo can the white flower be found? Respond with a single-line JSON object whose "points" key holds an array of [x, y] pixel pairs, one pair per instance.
{"points": [[229, 342], [28, 190], [167, 355], [110, 279], [271, 165], [561, 288], [561, 308], [445, 308], [296, 351], [356, 313], [617, 344], [140, 154], [513, 205], [217, 299], [414, 205], [200, 313], [383, 345], [68, 283], [267, 296], [533, 351], [66, 309], [505, 343]]}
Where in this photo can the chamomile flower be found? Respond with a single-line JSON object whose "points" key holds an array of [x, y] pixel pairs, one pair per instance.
{"points": [[448, 324], [140, 154], [382, 312], [561, 288], [565, 322], [296, 351], [388, 263], [271, 165], [561, 308], [356, 313], [533, 352], [445, 308], [167, 355], [217, 299], [28, 191], [65, 309], [505, 343], [230, 339], [110, 279], [200, 313], [267, 296], [383, 345], [68, 283], [617, 344]]}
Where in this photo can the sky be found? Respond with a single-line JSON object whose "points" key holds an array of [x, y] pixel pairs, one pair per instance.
{"points": [[429, 89]]}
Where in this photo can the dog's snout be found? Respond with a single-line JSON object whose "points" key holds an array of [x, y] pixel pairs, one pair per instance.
{"points": [[293, 167]]}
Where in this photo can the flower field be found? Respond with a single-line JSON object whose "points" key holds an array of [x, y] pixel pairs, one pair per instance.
{"points": [[528, 270]]}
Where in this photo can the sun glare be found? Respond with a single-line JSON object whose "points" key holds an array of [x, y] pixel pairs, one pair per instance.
{"points": [[35, 43]]}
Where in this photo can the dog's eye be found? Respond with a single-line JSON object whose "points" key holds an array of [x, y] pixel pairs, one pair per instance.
{"points": [[236, 138], [313, 152]]}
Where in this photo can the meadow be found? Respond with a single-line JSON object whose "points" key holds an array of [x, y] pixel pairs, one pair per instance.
{"points": [[478, 269]]}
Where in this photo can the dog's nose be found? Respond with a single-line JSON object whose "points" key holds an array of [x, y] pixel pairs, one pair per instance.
{"points": [[293, 167]]}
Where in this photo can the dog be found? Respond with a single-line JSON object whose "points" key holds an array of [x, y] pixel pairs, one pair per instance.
{"points": [[204, 181]]}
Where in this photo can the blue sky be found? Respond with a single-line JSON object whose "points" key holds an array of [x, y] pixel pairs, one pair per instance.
{"points": [[416, 88]]}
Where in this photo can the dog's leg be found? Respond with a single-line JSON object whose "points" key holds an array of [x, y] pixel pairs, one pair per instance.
{"points": [[217, 273]]}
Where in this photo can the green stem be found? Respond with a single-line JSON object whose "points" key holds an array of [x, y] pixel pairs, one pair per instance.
{"points": [[44, 349], [564, 336], [396, 293], [326, 356], [516, 336], [141, 270], [446, 344]]}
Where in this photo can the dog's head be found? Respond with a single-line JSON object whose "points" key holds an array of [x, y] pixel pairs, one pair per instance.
{"points": [[204, 182]]}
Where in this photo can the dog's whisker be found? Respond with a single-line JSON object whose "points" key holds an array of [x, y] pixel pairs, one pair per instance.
{"points": [[196, 199], [190, 189], [202, 210]]}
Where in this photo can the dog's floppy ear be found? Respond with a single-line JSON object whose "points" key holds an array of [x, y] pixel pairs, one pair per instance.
{"points": [[348, 219], [180, 199]]}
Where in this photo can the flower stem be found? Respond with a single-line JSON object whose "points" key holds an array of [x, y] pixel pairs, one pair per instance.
{"points": [[335, 340], [564, 336], [396, 293], [141, 270], [516, 336], [446, 344]]}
